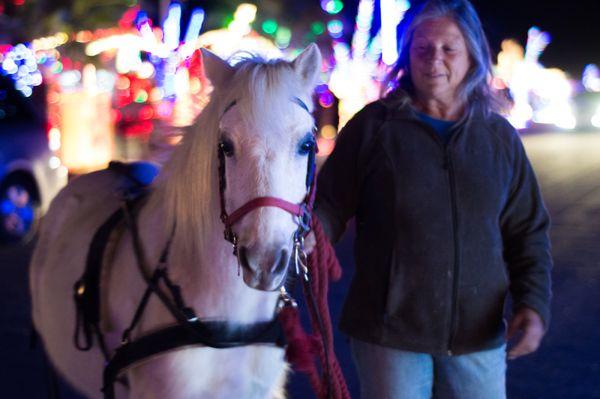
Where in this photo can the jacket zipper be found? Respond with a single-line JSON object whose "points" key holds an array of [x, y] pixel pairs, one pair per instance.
{"points": [[455, 277], [447, 165]]}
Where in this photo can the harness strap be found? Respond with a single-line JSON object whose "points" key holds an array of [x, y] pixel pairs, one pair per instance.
{"points": [[87, 290], [215, 334], [294, 209]]}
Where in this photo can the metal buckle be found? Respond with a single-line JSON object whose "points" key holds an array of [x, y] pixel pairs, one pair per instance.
{"points": [[300, 257], [285, 300]]}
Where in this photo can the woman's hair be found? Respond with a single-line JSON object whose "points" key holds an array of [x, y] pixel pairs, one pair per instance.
{"points": [[475, 89]]}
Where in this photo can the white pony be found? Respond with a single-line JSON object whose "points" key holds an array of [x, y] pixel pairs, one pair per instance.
{"points": [[265, 132]]}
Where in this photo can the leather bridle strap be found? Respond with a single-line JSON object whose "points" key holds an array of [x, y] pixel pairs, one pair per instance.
{"points": [[294, 209]]}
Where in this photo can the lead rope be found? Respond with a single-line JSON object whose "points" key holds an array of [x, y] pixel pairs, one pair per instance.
{"points": [[324, 267]]}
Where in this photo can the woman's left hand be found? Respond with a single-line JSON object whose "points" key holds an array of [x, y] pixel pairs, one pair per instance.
{"points": [[530, 326]]}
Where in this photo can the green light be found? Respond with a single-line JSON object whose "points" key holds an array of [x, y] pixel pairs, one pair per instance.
{"points": [[283, 37], [57, 67], [269, 27], [334, 6], [318, 28], [227, 20]]}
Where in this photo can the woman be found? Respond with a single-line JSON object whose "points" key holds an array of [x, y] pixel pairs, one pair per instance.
{"points": [[449, 219]]}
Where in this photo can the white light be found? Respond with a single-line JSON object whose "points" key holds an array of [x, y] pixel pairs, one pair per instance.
{"points": [[591, 78], [54, 145], [69, 79], [392, 12], [245, 13], [63, 171], [596, 118], [27, 91], [54, 162], [146, 70], [195, 25], [10, 66], [171, 26]]}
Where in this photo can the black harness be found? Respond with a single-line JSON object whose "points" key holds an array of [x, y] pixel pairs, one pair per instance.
{"points": [[188, 331]]}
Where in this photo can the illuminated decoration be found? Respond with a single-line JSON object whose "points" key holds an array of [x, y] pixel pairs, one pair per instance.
{"points": [[332, 6], [20, 64], [283, 36], [244, 15], [194, 27], [540, 95], [152, 80], [269, 26], [325, 146], [86, 133], [328, 132], [326, 99], [49, 42], [591, 78], [237, 36], [392, 12], [596, 118], [360, 63], [171, 26], [335, 27], [54, 139], [318, 28]]}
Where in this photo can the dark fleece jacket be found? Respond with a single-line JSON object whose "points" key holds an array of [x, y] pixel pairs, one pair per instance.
{"points": [[443, 232]]}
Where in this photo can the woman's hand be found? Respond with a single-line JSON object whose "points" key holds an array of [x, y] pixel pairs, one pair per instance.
{"points": [[527, 325]]}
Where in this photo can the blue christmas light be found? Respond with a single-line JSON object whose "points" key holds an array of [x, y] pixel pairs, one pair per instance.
{"points": [[21, 65]]}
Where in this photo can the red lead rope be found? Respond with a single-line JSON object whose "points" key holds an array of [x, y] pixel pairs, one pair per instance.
{"points": [[323, 267]]}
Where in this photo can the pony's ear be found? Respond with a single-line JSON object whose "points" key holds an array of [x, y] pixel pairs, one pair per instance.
{"points": [[308, 65], [217, 70]]}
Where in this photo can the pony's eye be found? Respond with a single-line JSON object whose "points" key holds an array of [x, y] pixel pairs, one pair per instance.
{"points": [[306, 145], [226, 147]]}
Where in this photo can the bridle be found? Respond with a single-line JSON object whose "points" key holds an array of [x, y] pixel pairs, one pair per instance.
{"points": [[301, 212]]}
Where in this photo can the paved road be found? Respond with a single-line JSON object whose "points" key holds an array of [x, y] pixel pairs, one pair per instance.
{"points": [[566, 367]]}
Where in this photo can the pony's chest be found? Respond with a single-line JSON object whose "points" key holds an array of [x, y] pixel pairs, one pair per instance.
{"points": [[247, 372]]}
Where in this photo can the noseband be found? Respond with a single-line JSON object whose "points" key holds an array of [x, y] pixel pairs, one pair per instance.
{"points": [[301, 212]]}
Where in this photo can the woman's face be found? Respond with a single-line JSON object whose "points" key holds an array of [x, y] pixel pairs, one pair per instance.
{"points": [[439, 59]]}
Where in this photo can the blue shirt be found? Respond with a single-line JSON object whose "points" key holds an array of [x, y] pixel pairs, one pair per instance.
{"points": [[441, 127]]}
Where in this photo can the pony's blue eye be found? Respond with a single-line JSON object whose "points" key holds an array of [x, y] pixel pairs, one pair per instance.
{"points": [[226, 147], [306, 145]]}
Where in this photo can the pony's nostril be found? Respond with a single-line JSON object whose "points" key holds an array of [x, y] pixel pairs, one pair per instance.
{"points": [[280, 263], [243, 258]]}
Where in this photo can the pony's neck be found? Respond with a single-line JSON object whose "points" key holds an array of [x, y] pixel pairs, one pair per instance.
{"points": [[209, 281]]}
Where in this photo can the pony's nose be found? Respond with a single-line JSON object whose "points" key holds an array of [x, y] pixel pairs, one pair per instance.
{"points": [[265, 271], [266, 262]]}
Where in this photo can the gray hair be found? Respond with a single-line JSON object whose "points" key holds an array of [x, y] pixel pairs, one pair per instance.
{"points": [[475, 90]]}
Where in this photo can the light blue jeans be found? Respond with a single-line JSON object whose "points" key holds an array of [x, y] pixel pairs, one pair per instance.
{"points": [[387, 373]]}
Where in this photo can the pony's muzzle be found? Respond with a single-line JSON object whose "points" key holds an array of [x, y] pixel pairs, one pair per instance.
{"points": [[264, 271]]}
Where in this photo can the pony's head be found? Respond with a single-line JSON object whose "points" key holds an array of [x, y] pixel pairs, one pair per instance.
{"points": [[260, 115]]}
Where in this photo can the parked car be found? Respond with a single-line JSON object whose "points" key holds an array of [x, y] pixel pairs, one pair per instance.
{"points": [[30, 174]]}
